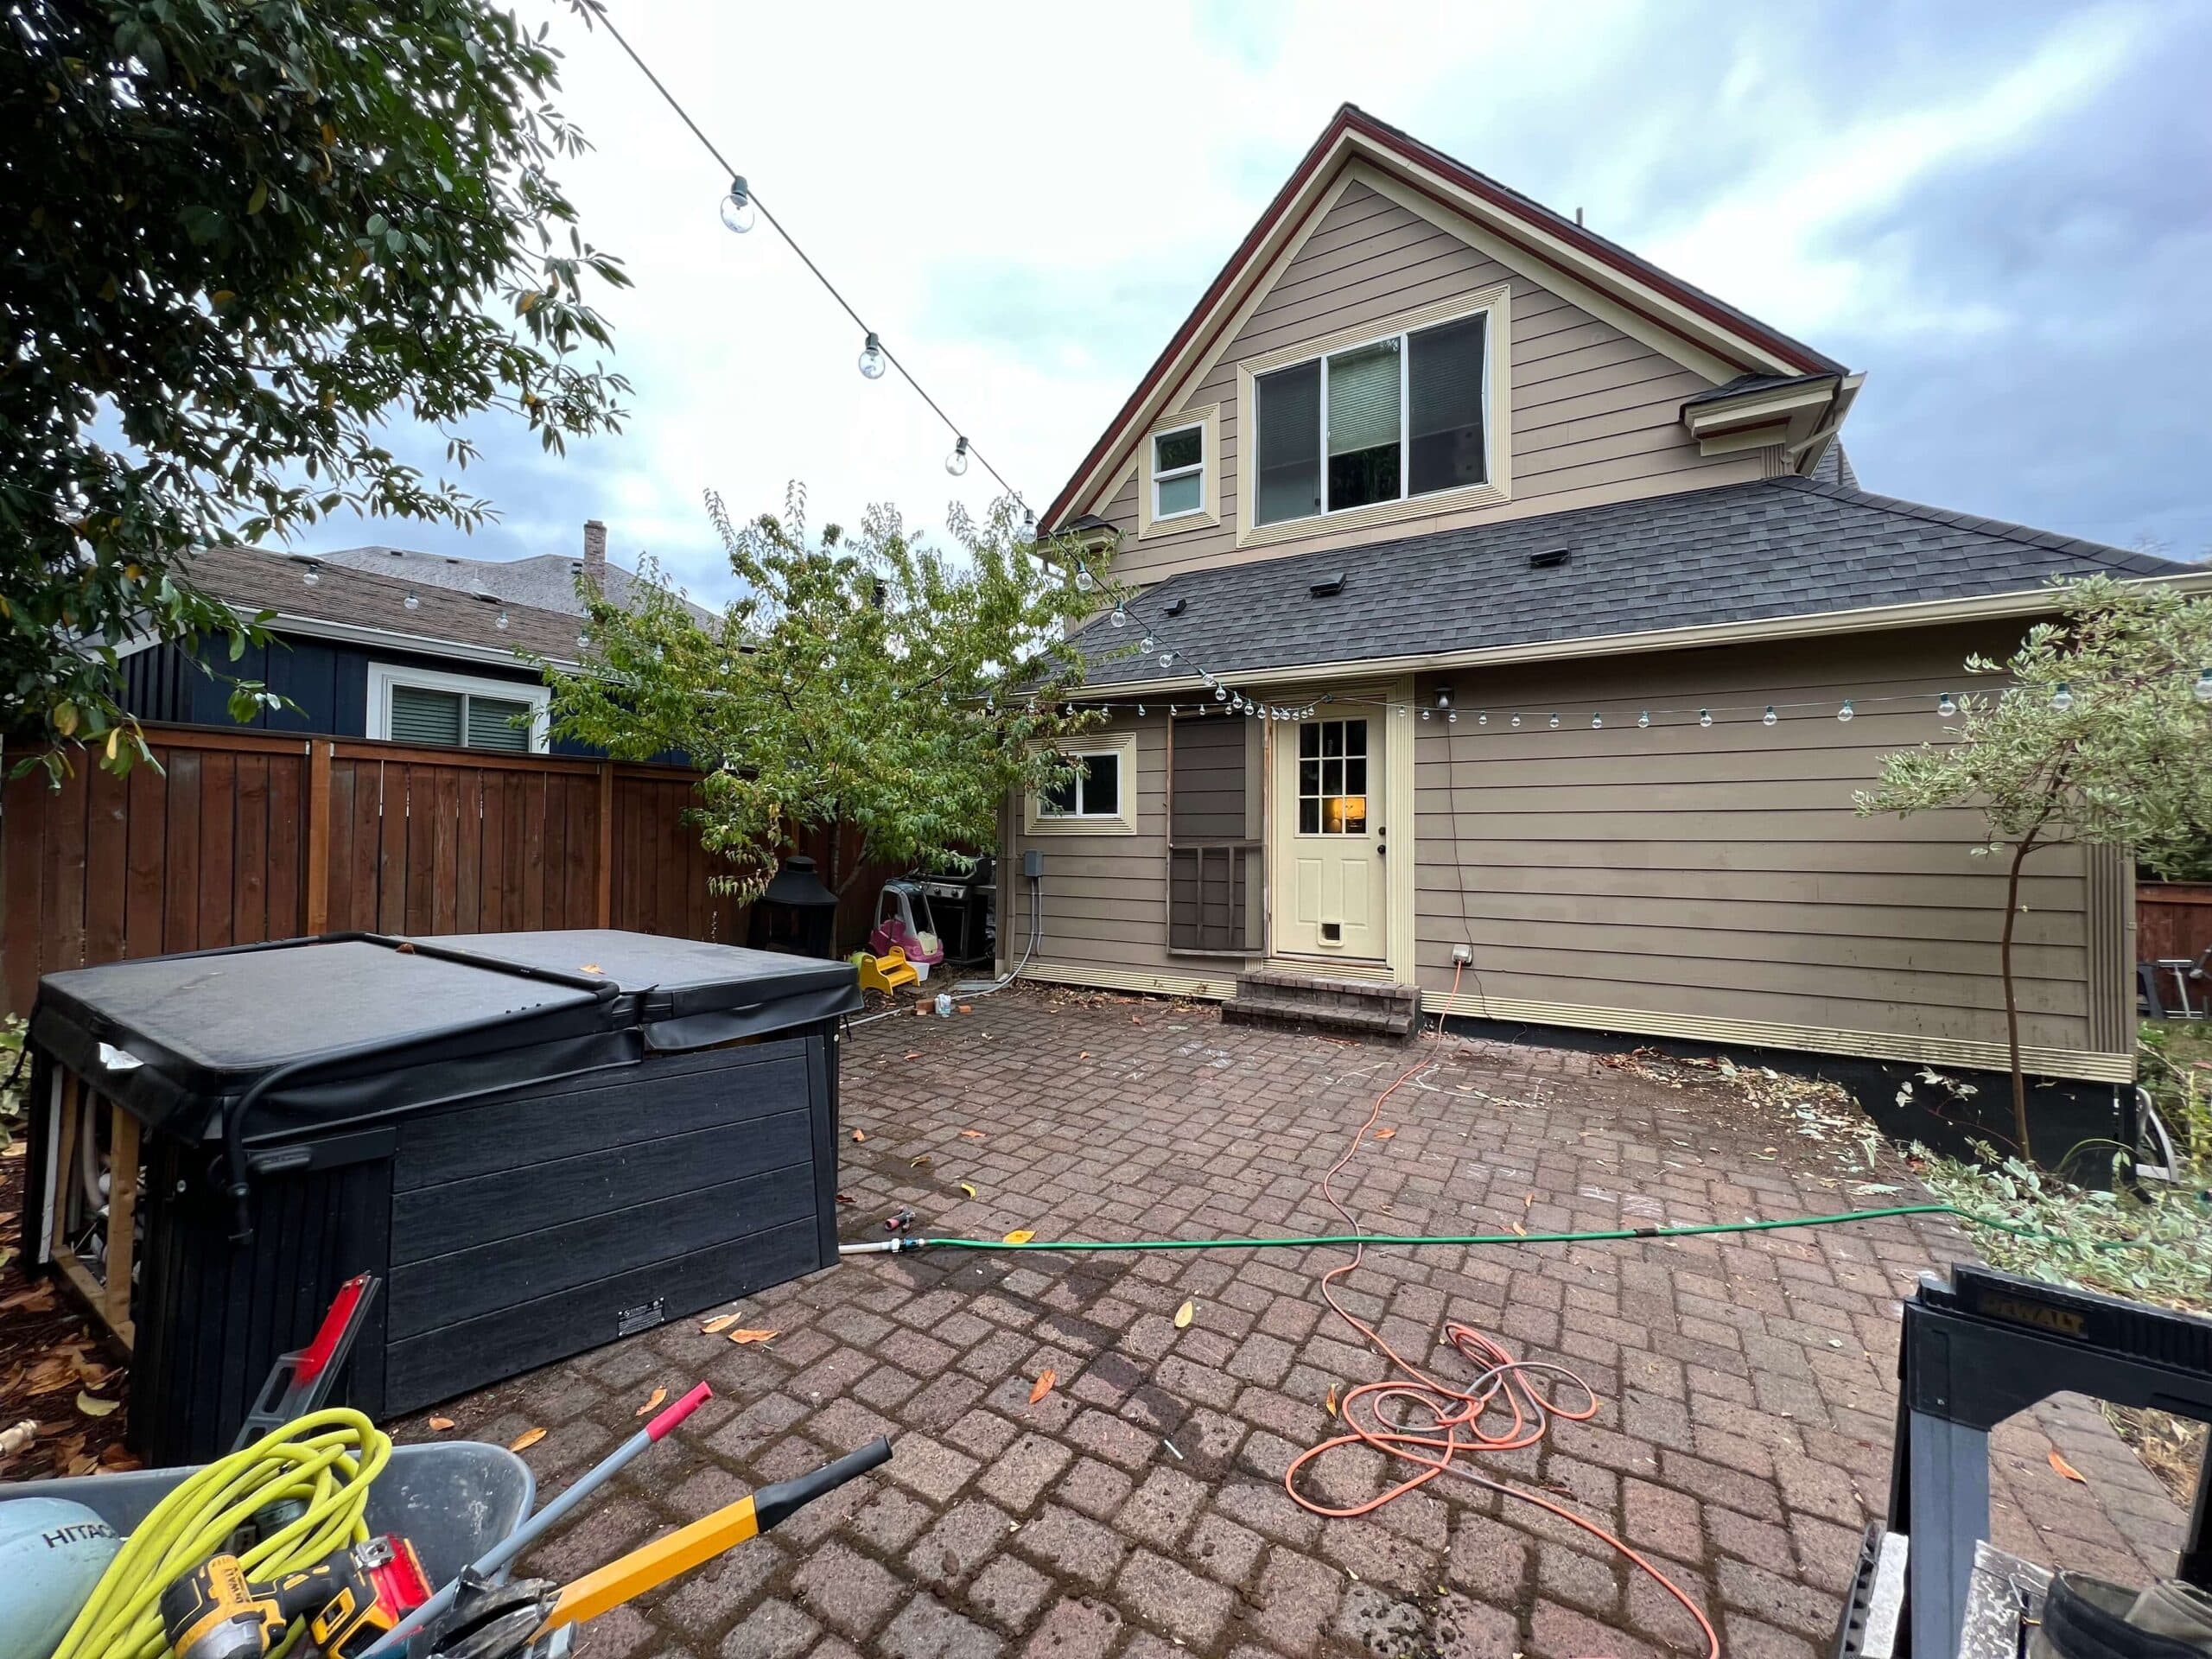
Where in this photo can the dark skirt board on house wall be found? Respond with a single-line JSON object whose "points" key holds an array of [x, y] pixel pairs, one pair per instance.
{"points": [[540, 1142]]}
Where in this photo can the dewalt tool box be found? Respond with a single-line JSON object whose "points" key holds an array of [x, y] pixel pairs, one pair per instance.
{"points": [[540, 1141]]}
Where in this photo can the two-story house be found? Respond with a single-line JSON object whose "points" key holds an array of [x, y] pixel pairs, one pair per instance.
{"points": [[1515, 630]]}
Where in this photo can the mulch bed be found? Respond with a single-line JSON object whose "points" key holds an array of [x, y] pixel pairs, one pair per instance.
{"points": [[53, 1357]]}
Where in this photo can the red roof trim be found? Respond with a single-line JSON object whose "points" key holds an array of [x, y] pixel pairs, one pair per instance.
{"points": [[1351, 119]]}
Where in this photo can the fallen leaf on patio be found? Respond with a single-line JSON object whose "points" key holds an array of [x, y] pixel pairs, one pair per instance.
{"points": [[1384, 1135], [921, 1010], [2066, 1468], [652, 1402], [524, 1440], [1046, 1378], [1329, 1405], [1084, 1055], [1185, 1314], [743, 1336], [847, 1197], [967, 1007], [969, 1187], [1526, 1198], [406, 948], [589, 968], [38, 1298], [118, 1457], [92, 1406], [441, 1424], [1020, 1236], [859, 1134], [971, 1135], [1519, 1229], [912, 1054], [920, 1162], [719, 1324], [83, 1464]]}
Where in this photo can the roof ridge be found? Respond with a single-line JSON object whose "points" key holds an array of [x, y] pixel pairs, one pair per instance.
{"points": [[326, 566], [2004, 529]]}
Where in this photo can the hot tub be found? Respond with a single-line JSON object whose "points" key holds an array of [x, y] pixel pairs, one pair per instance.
{"points": [[540, 1142]]}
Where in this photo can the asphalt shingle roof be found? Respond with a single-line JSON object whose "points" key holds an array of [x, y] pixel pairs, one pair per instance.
{"points": [[1745, 552], [546, 581], [256, 580]]}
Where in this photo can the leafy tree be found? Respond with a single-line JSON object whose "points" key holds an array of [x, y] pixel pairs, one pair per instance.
{"points": [[2103, 737], [871, 683], [237, 238]]}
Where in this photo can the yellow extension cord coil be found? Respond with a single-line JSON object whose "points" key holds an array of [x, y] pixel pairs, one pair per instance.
{"points": [[325, 1460]]}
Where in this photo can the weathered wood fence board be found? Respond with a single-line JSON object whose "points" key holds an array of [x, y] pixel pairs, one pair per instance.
{"points": [[2172, 919], [242, 836]]}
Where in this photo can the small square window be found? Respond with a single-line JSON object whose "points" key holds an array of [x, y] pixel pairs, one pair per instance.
{"points": [[1095, 791]]}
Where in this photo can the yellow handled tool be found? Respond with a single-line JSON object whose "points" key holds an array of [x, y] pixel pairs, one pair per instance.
{"points": [[498, 1621]]}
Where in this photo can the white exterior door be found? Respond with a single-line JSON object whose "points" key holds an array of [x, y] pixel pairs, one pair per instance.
{"points": [[1331, 888]]}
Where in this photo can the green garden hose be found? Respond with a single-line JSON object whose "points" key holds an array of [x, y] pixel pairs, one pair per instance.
{"points": [[324, 1461], [900, 1246]]}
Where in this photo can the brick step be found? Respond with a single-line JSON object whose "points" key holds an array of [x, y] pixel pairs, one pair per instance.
{"points": [[1275, 997]]}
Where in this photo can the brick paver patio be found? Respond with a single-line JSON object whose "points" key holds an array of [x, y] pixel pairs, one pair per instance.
{"points": [[1138, 1508]]}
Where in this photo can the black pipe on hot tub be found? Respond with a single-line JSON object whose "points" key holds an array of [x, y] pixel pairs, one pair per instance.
{"points": [[236, 1163]]}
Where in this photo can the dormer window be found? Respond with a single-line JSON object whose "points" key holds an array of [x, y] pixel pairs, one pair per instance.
{"points": [[1382, 421]]}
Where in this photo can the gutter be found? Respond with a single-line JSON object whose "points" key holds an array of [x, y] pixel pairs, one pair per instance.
{"points": [[1928, 612]]}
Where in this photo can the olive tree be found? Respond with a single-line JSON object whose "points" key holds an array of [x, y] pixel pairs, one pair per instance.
{"points": [[2102, 737], [874, 687]]}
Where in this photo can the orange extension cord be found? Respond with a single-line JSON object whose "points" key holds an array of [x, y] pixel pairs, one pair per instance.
{"points": [[1438, 1422]]}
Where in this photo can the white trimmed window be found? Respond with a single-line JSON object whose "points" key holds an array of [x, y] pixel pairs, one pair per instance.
{"points": [[1179, 487], [433, 709], [1099, 799], [1403, 417]]}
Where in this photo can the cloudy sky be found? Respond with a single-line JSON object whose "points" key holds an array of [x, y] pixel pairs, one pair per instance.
{"points": [[2000, 212]]}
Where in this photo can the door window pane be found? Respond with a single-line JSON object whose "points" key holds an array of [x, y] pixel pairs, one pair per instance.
{"points": [[1445, 399], [1332, 785], [1289, 414], [1363, 426]]}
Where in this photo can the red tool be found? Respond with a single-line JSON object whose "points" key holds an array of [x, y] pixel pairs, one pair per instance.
{"points": [[302, 1381]]}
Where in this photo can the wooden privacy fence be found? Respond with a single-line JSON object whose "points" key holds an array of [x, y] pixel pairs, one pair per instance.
{"points": [[2172, 919], [242, 836]]}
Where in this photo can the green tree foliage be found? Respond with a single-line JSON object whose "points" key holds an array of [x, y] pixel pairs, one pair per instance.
{"points": [[871, 683], [2100, 738], [239, 237]]}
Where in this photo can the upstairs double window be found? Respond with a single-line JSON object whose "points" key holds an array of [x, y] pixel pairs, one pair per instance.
{"points": [[1386, 420]]}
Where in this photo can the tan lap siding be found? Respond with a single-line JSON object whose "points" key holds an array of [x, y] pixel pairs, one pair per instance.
{"points": [[1105, 897], [1595, 414], [1721, 874]]}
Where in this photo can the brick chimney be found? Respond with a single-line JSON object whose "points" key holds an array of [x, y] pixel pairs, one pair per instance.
{"points": [[596, 554]]}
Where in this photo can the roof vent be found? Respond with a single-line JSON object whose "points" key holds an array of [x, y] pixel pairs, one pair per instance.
{"points": [[1175, 607], [1329, 587], [1551, 561]]}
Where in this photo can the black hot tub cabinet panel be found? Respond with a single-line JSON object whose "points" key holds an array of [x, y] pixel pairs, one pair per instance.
{"points": [[526, 1229]]}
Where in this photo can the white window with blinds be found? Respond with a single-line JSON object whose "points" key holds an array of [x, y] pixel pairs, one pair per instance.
{"points": [[1375, 421], [433, 709]]}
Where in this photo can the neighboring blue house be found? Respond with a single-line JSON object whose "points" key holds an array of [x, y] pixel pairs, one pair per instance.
{"points": [[381, 642]]}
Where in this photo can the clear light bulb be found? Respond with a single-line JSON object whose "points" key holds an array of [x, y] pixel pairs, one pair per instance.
{"points": [[1705, 716], [1947, 706], [310, 576], [1401, 711], [1146, 645], [1140, 711], [1517, 722], [1451, 716], [1644, 719], [1120, 618], [502, 623], [2063, 699], [872, 363], [2203, 690], [1166, 657], [957, 462], [1597, 722], [1554, 723], [1211, 681], [1424, 714], [1482, 719], [1220, 693], [738, 213], [1769, 717], [414, 603], [1844, 713], [1084, 582]]}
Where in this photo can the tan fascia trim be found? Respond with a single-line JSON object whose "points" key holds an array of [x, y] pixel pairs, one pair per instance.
{"points": [[1872, 618], [2076, 1064], [1756, 407], [1804, 455], [1717, 353]]}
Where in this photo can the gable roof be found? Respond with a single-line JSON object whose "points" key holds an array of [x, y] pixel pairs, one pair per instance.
{"points": [[1783, 548], [341, 599], [1549, 237]]}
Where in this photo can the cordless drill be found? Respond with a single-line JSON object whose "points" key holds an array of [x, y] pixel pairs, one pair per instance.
{"points": [[349, 1599]]}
